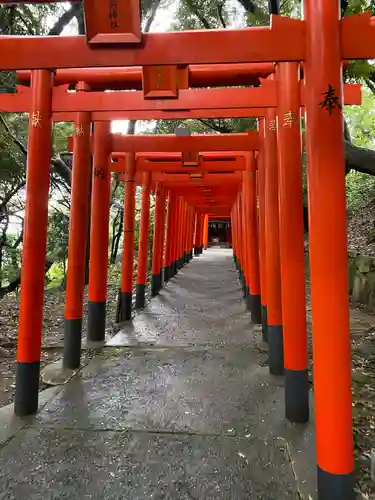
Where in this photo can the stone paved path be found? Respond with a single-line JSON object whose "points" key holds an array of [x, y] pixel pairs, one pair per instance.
{"points": [[179, 406]]}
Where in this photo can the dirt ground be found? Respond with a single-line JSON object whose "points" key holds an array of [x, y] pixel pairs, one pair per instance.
{"points": [[53, 335]]}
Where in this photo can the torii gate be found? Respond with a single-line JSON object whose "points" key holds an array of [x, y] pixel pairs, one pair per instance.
{"points": [[322, 41]]}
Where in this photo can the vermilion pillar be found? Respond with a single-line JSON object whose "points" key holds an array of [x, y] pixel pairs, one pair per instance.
{"points": [[275, 329], [191, 233], [78, 224], [172, 255], [202, 233], [237, 243], [251, 211], [245, 237], [187, 235], [193, 213], [205, 232], [34, 244], [328, 250], [140, 288], [292, 244], [99, 236], [241, 235], [181, 220], [127, 269], [197, 234], [168, 238], [180, 234], [156, 248], [183, 233], [262, 230], [162, 238], [234, 234], [176, 234]]}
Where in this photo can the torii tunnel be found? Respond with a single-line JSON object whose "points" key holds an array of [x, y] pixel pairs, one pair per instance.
{"points": [[253, 180]]}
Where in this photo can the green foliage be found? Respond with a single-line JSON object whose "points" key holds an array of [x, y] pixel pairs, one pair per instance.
{"points": [[360, 190], [55, 275], [58, 233], [11, 261], [61, 132], [361, 120]]}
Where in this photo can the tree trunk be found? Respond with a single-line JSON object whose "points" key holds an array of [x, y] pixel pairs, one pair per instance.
{"points": [[117, 237], [359, 159]]}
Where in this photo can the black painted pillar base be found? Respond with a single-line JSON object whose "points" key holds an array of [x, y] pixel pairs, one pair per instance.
{"points": [[191, 254], [161, 278], [27, 388], [155, 284], [175, 267], [254, 306], [201, 250], [124, 306], [186, 260], [180, 262], [335, 486], [297, 396], [140, 296], [244, 286], [196, 250], [264, 324], [171, 270], [166, 274], [72, 343], [96, 321], [275, 349]]}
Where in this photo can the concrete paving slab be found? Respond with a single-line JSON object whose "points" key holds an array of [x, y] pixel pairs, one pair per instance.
{"points": [[187, 410], [76, 465], [181, 330], [173, 389]]}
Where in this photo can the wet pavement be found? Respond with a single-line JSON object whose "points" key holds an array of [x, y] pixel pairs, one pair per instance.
{"points": [[179, 405]]}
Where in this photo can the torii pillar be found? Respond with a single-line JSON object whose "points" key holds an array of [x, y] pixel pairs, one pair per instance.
{"points": [[124, 312], [78, 224], [328, 250], [34, 244], [292, 252], [140, 294], [99, 233]]}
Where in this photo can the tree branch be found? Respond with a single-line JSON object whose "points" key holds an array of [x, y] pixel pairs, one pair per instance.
{"points": [[64, 20], [359, 159], [249, 6], [194, 10], [61, 168], [21, 146], [220, 8], [224, 129], [152, 15]]}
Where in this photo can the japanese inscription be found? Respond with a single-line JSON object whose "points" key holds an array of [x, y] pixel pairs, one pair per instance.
{"points": [[330, 100], [159, 77], [290, 118], [36, 120], [99, 173], [79, 130], [272, 126], [113, 13]]}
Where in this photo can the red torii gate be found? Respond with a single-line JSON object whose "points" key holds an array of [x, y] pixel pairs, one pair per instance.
{"points": [[322, 41]]}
